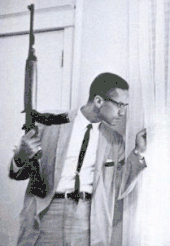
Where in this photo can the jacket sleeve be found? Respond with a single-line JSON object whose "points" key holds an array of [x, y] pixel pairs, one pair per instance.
{"points": [[129, 171]]}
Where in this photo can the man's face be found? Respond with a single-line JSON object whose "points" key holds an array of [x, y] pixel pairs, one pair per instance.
{"points": [[114, 106]]}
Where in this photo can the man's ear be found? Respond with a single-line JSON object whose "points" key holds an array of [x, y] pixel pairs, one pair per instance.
{"points": [[98, 101]]}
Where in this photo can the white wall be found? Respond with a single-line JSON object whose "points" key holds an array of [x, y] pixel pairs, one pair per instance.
{"points": [[104, 41], [16, 6]]}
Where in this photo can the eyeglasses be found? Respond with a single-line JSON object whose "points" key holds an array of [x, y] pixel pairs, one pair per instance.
{"points": [[118, 104]]}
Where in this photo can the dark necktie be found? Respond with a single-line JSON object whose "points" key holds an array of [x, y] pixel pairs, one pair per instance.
{"points": [[80, 160]]}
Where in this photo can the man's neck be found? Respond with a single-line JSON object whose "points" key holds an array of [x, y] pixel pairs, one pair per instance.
{"points": [[89, 112]]}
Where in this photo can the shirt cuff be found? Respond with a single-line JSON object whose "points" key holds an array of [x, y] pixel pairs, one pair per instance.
{"points": [[140, 155]]}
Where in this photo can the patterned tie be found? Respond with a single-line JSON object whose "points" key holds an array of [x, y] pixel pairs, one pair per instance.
{"points": [[80, 161]]}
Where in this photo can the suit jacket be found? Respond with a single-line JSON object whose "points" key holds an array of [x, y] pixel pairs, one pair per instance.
{"points": [[112, 180]]}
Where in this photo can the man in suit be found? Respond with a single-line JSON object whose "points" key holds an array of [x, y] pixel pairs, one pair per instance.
{"points": [[73, 186]]}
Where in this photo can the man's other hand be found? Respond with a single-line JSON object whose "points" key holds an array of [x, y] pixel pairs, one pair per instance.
{"points": [[140, 145]]}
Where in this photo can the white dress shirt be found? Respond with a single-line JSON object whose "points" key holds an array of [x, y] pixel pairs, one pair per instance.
{"points": [[67, 181]]}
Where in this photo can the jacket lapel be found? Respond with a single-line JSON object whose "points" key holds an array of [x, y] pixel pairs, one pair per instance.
{"points": [[63, 143], [102, 207], [103, 150]]}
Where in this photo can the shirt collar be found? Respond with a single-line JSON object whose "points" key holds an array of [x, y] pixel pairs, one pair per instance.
{"points": [[84, 121]]}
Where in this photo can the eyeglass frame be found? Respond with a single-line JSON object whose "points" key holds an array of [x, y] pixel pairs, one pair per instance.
{"points": [[119, 104]]}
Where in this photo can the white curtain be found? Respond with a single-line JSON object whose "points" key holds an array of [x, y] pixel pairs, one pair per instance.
{"points": [[147, 208]]}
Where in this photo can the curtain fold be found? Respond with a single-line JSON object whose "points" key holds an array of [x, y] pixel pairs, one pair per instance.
{"points": [[147, 207]]}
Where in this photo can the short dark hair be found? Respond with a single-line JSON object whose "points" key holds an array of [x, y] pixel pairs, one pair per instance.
{"points": [[104, 83]]}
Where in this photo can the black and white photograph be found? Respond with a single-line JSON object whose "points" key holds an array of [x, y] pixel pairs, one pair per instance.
{"points": [[85, 123]]}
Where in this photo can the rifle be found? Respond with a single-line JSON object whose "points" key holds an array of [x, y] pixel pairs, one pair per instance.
{"points": [[32, 115], [30, 70]]}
